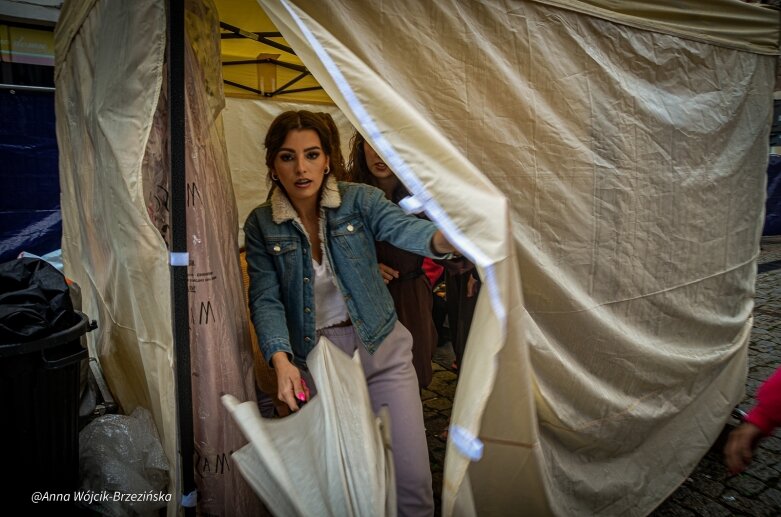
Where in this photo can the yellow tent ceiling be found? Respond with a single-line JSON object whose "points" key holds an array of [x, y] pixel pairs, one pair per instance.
{"points": [[247, 16]]}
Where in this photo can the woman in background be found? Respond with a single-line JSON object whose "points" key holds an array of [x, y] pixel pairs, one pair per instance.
{"points": [[760, 422], [401, 270]]}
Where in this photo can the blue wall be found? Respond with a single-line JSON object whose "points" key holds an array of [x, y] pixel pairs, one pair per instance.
{"points": [[30, 217], [773, 202]]}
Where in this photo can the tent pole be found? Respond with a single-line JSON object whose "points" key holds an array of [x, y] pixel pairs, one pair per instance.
{"points": [[281, 89], [179, 257], [257, 37]]}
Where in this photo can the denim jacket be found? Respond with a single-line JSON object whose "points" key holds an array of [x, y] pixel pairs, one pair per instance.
{"points": [[279, 261]]}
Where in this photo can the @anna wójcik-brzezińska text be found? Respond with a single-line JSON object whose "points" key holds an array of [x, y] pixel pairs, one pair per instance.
{"points": [[90, 497]]}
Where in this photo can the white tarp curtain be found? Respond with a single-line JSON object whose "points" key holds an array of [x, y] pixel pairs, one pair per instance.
{"points": [[112, 129], [609, 183], [246, 122], [109, 245], [742, 25], [331, 458]]}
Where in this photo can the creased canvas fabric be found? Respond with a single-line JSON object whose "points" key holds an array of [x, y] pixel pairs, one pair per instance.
{"points": [[608, 181], [109, 245]]}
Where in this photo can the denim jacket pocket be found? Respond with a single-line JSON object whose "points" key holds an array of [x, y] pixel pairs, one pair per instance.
{"points": [[284, 251], [351, 236]]}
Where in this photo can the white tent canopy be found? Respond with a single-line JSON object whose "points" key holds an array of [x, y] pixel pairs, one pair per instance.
{"points": [[605, 170]]}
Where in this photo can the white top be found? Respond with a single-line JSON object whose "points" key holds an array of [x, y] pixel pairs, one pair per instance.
{"points": [[330, 308]]}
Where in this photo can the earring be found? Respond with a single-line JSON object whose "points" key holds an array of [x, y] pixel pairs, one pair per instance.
{"points": [[327, 170], [274, 178]]}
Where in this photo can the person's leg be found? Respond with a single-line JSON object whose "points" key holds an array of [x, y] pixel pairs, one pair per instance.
{"points": [[453, 303], [438, 313], [392, 382]]}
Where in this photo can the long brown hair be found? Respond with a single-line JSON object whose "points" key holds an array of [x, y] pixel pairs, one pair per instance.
{"points": [[337, 160], [359, 170], [320, 123]]}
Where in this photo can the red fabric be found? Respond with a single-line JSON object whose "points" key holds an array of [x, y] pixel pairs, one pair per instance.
{"points": [[432, 270], [767, 413]]}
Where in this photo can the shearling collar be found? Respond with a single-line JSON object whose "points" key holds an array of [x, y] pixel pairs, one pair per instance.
{"points": [[282, 209]]}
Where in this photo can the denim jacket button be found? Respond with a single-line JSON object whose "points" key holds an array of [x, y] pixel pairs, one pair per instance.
{"points": [[307, 310], [306, 279], [307, 339], [277, 248], [350, 227]]}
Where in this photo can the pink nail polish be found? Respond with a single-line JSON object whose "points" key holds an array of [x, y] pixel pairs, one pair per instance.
{"points": [[301, 396]]}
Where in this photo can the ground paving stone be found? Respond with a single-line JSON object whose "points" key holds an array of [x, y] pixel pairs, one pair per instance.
{"points": [[704, 506], [438, 403], [761, 373], [742, 505], [709, 492], [672, 509], [746, 484], [765, 474], [426, 394], [429, 414], [772, 444], [683, 493], [707, 486], [772, 497], [437, 425], [435, 445], [711, 467]]}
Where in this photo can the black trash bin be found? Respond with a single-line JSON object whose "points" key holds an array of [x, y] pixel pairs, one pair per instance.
{"points": [[39, 396]]}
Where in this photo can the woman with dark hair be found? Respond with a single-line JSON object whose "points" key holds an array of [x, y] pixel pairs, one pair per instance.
{"points": [[401, 270], [313, 272]]}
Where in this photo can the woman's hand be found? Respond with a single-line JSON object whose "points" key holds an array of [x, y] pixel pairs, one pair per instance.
{"points": [[740, 447], [291, 388], [471, 286], [388, 273], [440, 244]]}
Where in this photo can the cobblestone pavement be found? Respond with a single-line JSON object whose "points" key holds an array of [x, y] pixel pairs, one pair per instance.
{"points": [[709, 491]]}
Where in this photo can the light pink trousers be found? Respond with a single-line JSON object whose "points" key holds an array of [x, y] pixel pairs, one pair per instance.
{"points": [[392, 382]]}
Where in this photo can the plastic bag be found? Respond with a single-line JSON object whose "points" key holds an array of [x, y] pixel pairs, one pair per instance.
{"points": [[123, 454], [34, 301]]}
